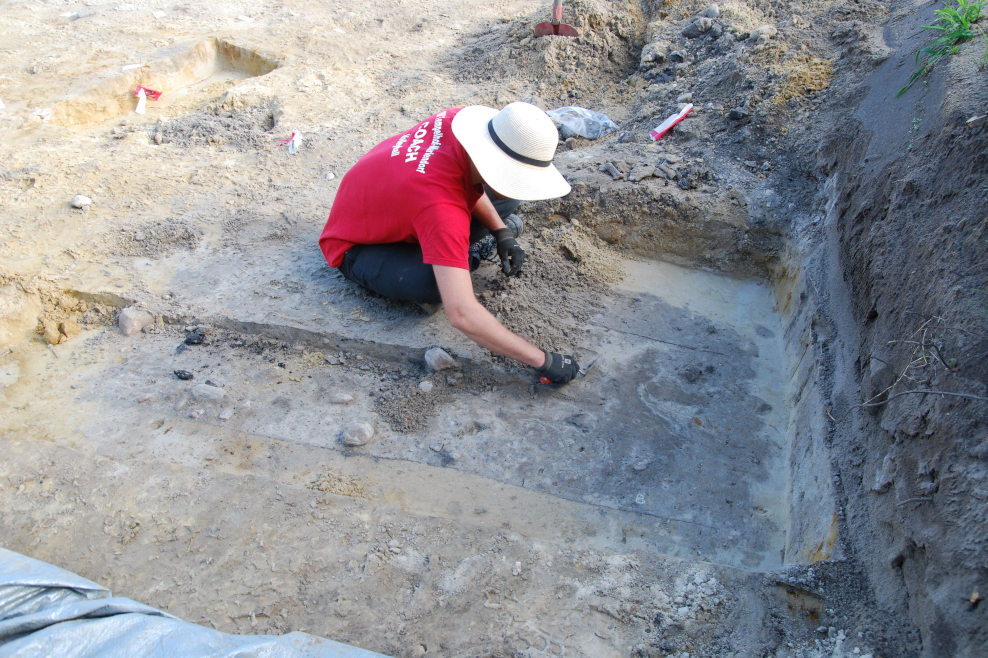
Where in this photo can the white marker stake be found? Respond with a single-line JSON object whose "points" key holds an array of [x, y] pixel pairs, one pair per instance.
{"points": [[667, 125], [141, 102], [295, 143]]}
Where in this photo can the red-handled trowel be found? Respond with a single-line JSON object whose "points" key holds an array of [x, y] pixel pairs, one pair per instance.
{"points": [[556, 27]]}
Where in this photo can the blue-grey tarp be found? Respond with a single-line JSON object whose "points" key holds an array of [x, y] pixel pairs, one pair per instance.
{"points": [[47, 611]]}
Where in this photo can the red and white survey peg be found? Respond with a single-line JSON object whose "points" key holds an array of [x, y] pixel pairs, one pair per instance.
{"points": [[150, 93], [293, 142], [668, 124]]}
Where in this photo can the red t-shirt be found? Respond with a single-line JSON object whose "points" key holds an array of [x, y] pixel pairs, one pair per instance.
{"points": [[413, 187]]}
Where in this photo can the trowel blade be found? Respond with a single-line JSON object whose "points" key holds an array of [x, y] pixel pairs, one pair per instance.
{"points": [[559, 30], [586, 369]]}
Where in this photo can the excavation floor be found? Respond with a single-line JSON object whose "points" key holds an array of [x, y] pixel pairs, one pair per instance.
{"points": [[673, 442]]}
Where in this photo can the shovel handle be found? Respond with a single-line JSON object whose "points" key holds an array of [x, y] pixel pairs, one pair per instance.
{"points": [[557, 11]]}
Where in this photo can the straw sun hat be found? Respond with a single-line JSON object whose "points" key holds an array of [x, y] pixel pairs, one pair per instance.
{"points": [[512, 149]]}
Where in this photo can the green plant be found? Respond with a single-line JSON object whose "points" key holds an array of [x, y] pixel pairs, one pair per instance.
{"points": [[956, 27], [984, 57]]}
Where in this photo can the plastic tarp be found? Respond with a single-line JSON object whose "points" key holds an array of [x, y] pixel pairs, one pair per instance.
{"points": [[47, 611]]}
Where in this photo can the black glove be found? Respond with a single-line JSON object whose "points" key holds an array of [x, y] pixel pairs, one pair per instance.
{"points": [[558, 368], [511, 254]]}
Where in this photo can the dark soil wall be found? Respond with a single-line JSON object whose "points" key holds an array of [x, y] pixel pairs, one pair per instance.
{"points": [[908, 184]]}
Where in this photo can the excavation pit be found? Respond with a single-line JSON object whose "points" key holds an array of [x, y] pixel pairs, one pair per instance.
{"points": [[680, 441], [187, 80]]}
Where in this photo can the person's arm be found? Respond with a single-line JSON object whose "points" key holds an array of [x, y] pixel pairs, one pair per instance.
{"points": [[485, 213], [469, 316]]}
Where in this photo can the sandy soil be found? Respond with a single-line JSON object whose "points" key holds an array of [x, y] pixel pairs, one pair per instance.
{"points": [[642, 512]]}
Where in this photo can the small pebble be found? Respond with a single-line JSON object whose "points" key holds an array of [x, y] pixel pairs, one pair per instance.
{"points": [[226, 414], [133, 320], [81, 201], [685, 98], [196, 413], [737, 114], [340, 398], [207, 392], [426, 386], [143, 398], [612, 171], [357, 435], [436, 447], [184, 375], [764, 33], [516, 571], [438, 359]]}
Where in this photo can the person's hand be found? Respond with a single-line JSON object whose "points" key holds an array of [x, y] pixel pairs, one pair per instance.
{"points": [[511, 254], [558, 368]]}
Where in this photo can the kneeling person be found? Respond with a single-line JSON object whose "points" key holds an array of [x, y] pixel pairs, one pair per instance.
{"points": [[407, 212]]}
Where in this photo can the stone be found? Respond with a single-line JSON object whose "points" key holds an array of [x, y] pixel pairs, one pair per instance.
{"points": [[516, 569], [713, 11], [685, 98], [678, 56], [340, 398], [653, 53], [357, 435], [194, 338], [641, 172], [226, 414], [69, 328], [627, 138], [715, 32], [672, 158], [764, 33], [884, 476], [207, 392], [333, 360], [81, 201], [196, 413], [436, 447], [571, 143], [133, 320], [450, 380], [426, 386], [976, 121], [750, 163], [737, 114], [51, 333], [438, 359], [612, 171], [184, 375], [698, 28]]}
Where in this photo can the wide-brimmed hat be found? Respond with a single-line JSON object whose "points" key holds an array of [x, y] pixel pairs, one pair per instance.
{"points": [[512, 149]]}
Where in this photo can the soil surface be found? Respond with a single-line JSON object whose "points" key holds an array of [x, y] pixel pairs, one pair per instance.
{"points": [[801, 244]]}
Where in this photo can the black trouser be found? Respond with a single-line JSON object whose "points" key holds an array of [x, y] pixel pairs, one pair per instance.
{"points": [[396, 271]]}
